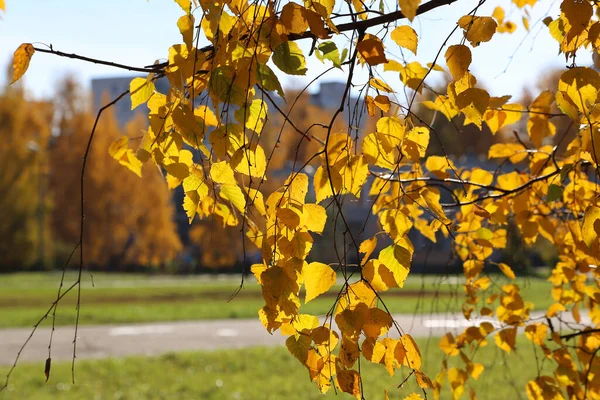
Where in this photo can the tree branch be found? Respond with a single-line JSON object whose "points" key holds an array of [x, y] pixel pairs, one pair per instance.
{"points": [[148, 69]]}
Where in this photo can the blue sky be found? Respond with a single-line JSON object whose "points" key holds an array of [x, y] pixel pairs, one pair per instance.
{"points": [[137, 32]]}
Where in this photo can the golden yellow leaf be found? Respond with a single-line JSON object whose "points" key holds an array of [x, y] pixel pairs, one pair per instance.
{"points": [[250, 162], [412, 358], [397, 260], [315, 217], [506, 338], [507, 270], [292, 16], [186, 27], [478, 29], [432, 199], [473, 102], [536, 333], [458, 59], [380, 85], [509, 181], [412, 75], [514, 151], [371, 50], [367, 247], [508, 115], [319, 278], [140, 90], [448, 344], [185, 5], [591, 226], [406, 37], [235, 196], [221, 172], [409, 8], [580, 85], [377, 323], [120, 152], [21, 59], [322, 184]]}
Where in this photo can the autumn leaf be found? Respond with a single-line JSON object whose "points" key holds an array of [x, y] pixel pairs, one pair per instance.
{"points": [[319, 278], [371, 50], [21, 59], [405, 37], [478, 29], [140, 90], [288, 57], [409, 8]]}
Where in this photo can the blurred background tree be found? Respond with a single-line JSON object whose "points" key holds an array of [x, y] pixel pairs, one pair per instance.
{"points": [[25, 132], [130, 221]]}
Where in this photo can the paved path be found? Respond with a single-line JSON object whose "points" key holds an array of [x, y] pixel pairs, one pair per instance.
{"points": [[156, 338]]}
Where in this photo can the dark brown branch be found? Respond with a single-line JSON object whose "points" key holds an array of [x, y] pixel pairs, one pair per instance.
{"points": [[363, 25], [82, 225], [580, 333], [148, 69]]}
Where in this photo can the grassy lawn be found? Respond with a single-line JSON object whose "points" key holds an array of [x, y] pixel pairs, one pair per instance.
{"points": [[256, 373], [126, 298]]}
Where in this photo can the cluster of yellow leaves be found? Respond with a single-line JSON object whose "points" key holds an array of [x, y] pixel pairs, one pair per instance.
{"points": [[215, 154]]}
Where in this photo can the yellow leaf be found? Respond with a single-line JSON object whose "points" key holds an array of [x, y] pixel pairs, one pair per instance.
{"points": [[250, 162], [591, 226], [478, 29], [380, 85], [185, 5], [315, 217], [432, 199], [448, 345], [120, 152], [409, 8], [415, 143], [505, 339], [186, 27], [514, 151], [412, 358], [406, 37], [509, 181], [497, 119], [319, 278], [292, 17], [397, 260], [473, 103], [371, 50], [537, 333], [580, 84], [235, 196], [458, 59], [140, 90], [367, 247], [221, 172], [21, 59], [412, 75], [322, 184], [377, 323], [349, 382], [506, 270]]}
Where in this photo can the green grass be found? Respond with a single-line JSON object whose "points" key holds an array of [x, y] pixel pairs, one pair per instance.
{"points": [[256, 373], [124, 298]]}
